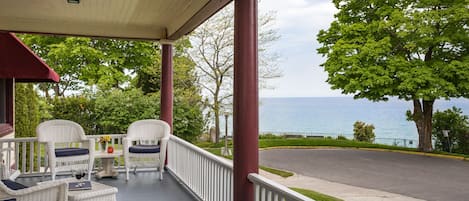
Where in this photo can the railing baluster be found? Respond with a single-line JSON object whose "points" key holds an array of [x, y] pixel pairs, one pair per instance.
{"points": [[23, 157], [38, 162], [31, 157]]}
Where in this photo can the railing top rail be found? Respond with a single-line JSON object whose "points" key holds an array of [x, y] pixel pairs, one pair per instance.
{"points": [[203, 152], [288, 193], [22, 139]]}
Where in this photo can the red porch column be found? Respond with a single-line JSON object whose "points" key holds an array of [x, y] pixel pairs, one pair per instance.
{"points": [[166, 113], [245, 108]]}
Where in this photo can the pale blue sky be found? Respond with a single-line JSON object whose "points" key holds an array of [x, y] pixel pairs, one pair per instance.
{"points": [[298, 22]]}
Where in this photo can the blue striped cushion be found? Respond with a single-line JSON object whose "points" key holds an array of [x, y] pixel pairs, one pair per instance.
{"points": [[63, 152], [145, 149]]}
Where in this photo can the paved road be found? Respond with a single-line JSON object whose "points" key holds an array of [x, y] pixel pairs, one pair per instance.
{"points": [[423, 177]]}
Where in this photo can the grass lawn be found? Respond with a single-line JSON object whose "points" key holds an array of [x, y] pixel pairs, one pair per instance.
{"points": [[315, 195], [281, 173]]}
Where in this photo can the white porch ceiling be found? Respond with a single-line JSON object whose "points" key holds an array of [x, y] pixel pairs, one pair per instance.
{"points": [[138, 19]]}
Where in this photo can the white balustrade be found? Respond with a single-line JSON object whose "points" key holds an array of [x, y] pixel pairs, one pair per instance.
{"points": [[268, 190], [208, 176]]}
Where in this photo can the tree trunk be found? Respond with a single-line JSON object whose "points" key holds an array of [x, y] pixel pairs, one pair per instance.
{"points": [[217, 124], [422, 116], [427, 116]]}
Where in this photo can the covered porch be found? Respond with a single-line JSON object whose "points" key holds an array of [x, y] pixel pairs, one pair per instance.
{"points": [[204, 175]]}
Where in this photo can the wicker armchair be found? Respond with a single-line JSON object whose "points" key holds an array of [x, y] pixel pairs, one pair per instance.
{"points": [[52, 191], [145, 145], [67, 146]]}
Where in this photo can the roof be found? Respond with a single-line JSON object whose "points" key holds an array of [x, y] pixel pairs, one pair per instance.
{"points": [[135, 19], [19, 62]]}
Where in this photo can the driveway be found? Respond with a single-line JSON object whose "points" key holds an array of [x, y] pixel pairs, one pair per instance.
{"points": [[423, 177]]}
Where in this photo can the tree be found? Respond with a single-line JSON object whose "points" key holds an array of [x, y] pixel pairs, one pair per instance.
{"points": [[363, 132], [85, 62], [414, 50], [457, 124], [26, 117], [213, 55]]}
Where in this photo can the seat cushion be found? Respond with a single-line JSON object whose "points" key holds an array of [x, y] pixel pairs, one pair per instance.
{"points": [[13, 186], [63, 152], [145, 149]]}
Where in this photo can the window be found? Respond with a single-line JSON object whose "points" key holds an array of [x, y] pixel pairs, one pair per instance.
{"points": [[6, 106]]}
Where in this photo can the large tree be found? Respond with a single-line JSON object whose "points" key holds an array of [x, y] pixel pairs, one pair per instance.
{"points": [[213, 44], [413, 50]]}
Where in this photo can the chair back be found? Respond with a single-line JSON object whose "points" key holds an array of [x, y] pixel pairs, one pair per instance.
{"points": [[60, 131], [148, 130]]}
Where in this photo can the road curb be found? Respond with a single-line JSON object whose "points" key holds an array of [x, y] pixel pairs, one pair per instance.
{"points": [[370, 149]]}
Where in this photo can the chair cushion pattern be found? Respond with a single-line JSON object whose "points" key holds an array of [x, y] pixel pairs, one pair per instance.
{"points": [[144, 149], [63, 152], [13, 186]]}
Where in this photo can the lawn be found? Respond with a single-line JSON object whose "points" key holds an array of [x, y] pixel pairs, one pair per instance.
{"points": [[315, 195]]}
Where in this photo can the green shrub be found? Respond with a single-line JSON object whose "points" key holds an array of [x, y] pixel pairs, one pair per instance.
{"points": [[457, 124], [271, 136], [363, 132], [341, 137], [79, 109]]}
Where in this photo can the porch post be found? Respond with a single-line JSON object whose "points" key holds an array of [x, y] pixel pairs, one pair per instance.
{"points": [[245, 108], [166, 104]]}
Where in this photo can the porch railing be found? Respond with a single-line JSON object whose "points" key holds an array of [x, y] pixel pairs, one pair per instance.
{"points": [[268, 190], [208, 176]]}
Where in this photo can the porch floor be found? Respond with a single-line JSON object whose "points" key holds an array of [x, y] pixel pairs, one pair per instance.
{"points": [[141, 186]]}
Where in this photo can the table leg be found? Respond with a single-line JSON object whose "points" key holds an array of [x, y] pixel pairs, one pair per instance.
{"points": [[108, 169]]}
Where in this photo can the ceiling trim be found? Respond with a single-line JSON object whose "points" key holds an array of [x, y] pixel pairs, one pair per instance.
{"points": [[201, 16]]}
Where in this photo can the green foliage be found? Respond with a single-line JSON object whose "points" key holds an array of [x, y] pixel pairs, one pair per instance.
{"points": [[458, 126], [117, 109], [341, 137], [363, 132], [188, 118], [85, 62], [26, 110], [79, 109], [271, 136], [414, 50], [315, 195]]}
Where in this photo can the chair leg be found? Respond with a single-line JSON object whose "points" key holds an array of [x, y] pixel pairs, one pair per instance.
{"points": [[45, 172], [135, 170]]}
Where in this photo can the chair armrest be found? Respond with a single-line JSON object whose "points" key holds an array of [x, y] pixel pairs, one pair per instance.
{"points": [[90, 144], [126, 143], [37, 192]]}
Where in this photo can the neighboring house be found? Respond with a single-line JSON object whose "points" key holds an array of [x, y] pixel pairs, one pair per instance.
{"points": [[17, 64]]}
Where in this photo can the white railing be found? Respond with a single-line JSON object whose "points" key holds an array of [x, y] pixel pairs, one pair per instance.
{"points": [[268, 190], [208, 176], [28, 155]]}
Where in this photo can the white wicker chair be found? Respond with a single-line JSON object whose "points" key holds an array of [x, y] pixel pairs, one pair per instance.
{"points": [[145, 145], [52, 191], [66, 135]]}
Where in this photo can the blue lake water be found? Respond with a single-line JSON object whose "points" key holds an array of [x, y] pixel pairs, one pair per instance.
{"points": [[336, 115]]}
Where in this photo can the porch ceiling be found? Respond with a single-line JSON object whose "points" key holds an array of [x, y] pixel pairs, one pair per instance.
{"points": [[136, 19]]}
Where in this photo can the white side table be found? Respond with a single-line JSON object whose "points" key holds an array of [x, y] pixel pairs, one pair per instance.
{"points": [[107, 160]]}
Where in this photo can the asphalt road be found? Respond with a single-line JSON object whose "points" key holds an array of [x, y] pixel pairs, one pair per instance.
{"points": [[423, 177]]}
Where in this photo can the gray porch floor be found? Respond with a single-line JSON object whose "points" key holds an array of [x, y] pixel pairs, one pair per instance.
{"points": [[141, 186]]}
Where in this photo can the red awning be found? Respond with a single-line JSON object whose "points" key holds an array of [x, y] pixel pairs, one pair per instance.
{"points": [[19, 62]]}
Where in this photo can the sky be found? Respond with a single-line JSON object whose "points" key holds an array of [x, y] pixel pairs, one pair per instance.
{"points": [[298, 22]]}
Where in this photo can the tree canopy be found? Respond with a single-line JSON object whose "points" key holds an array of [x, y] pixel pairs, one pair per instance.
{"points": [[413, 50]]}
